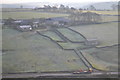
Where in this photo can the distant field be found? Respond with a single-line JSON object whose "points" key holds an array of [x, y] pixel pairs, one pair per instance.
{"points": [[15, 9], [109, 18], [107, 33], [105, 12], [29, 15], [103, 58], [31, 52]]}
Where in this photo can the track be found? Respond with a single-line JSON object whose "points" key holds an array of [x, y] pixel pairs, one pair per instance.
{"points": [[62, 75]]}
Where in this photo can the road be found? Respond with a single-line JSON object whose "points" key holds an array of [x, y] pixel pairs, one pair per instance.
{"points": [[62, 75]]}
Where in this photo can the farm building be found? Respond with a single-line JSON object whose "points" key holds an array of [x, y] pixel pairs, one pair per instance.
{"points": [[91, 42], [25, 27], [17, 22]]}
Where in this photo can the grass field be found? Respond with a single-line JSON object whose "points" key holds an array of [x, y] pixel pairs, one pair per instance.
{"points": [[107, 33], [29, 15], [109, 18], [69, 45], [103, 58], [52, 35], [71, 35], [105, 12], [31, 52], [15, 9]]}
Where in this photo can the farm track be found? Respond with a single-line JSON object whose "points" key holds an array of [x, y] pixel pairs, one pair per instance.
{"points": [[62, 75]]}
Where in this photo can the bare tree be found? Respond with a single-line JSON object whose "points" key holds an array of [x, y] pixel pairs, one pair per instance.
{"points": [[87, 17]]}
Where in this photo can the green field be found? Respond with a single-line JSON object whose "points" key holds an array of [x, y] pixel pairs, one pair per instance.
{"points": [[31, 52], [71, 35], [30, 15], [52, 35], [104, 58], [109, 18], [15, 9], [105, 12], [69, 45], [106, 34]]}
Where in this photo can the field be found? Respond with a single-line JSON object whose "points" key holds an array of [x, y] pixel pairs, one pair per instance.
{"points": [[103, 58], [106, 34], [105, 12], [29, 15], [109, 18], [31, 52], [15, 9], [71, 35], [69, 45], [52, 35]]}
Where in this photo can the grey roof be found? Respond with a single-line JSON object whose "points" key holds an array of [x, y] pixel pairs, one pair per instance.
{"points": [[25, 26]]}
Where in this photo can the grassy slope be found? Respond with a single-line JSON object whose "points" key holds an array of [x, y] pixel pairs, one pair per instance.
{"points": [[30, 52], [107, 34]]}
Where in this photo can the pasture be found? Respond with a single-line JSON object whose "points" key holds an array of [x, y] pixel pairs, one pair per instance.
{"points": [[104, 12], [30, 15], [103, 58], [52, 35], [15, 9], [31, 52], [71, 35], [106, 34], [69, 45], [109, 18]]}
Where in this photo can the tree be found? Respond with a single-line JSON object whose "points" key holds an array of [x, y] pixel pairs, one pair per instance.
{"points": [[9, 21], [72, 8], [92, 7], [87, 17], [62, 6]]}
